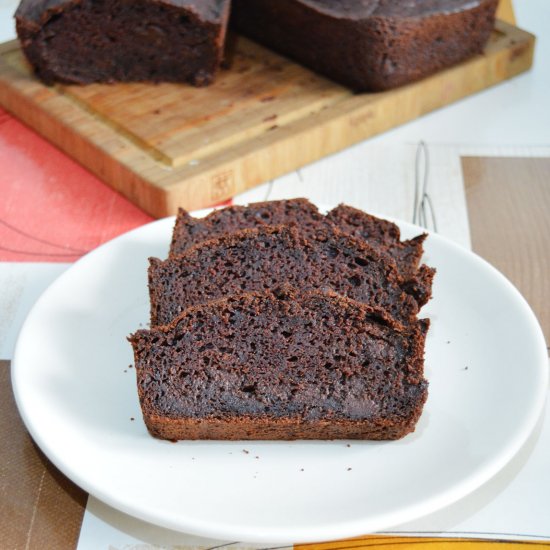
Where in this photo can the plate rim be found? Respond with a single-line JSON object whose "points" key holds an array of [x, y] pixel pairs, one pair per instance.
{"points": [[342, 529]]}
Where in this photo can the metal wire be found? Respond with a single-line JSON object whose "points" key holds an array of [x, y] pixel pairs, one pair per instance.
{"points": [[424, 211]]}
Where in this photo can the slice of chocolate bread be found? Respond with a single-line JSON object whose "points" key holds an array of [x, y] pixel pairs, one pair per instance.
{"points": [[285, 365], [381, 234], [369, 44], [267, 257], [84, 41], [189, 231]]}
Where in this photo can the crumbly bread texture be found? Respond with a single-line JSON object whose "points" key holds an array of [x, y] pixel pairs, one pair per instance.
{"points": [[369, 45], [381, 234], [84, 41], [281, 365], [270, 256]]}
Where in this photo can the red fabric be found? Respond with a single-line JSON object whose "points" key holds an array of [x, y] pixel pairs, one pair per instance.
{"points": [[51, 208]]}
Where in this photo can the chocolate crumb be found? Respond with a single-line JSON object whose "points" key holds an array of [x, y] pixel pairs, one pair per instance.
{"points": [[349, 469], [348, 445], [245, 451], [132, 418]]}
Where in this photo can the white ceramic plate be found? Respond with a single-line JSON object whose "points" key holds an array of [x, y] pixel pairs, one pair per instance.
{"points": [[485, 360]]}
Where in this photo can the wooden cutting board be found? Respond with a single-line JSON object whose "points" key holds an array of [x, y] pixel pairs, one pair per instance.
{"points": [[171, 145]]}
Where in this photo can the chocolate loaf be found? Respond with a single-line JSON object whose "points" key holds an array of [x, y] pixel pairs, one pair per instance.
{"points": [[84, 41], [381, 234], [369, 45], [284, 365], [264, 258]]}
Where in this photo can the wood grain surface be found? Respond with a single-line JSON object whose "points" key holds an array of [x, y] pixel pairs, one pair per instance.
{"points": [[509, 210], [39, 507], [168, 145]]}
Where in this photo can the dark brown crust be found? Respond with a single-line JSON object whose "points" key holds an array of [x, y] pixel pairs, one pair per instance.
{"points": [[245, 428], [369, 46], [240, 389], [189, 231], [84, 41], [255, 259], [39, 11]]}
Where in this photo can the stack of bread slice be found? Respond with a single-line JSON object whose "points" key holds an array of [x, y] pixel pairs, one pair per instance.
{"points": [[275, 321]]}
